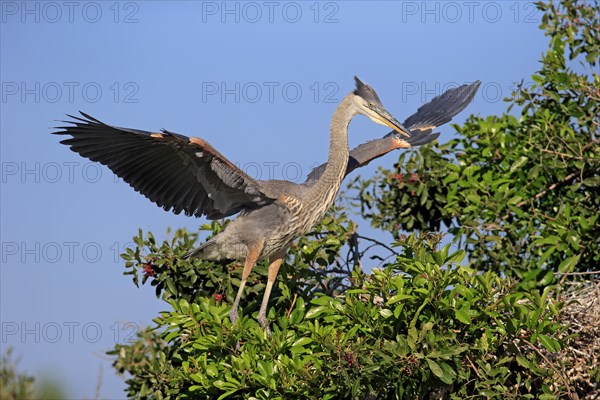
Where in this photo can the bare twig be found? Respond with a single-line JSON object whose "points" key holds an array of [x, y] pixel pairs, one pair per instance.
{"points": [[543, 192], [565, 380], [579, 273], [379, 243], [551, 187], [289, 311], [474, 367], [562, 154], [98, 384]]}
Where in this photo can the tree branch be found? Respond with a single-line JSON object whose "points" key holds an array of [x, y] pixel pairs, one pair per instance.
{"points": [[543, 192], [377, 242]]}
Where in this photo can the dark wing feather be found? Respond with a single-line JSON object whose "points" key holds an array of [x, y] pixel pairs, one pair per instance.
{"points": [[440, 110], [172, 170]]}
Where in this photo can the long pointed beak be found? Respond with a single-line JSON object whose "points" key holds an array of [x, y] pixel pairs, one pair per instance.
{"points": [[393, 123]]}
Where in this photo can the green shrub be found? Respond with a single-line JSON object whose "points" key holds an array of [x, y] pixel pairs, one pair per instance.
{"points": [[420, 326], [516, 192]]}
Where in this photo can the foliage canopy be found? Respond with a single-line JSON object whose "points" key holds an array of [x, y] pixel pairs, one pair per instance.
{"points": [[521, 193]]}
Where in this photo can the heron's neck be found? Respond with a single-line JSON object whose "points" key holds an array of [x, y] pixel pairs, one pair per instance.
{"points": [[326, 188]]}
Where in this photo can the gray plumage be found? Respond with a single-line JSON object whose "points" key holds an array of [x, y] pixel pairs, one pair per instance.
{"points": [[187, 174]]}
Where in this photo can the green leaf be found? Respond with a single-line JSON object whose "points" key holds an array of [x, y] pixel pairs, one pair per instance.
{"points": [[325, 300], [184, 306], [462, 316], [547, 279], [473, 198], [550, 344], [435, 368], [553, 239], [538, 79], [449, 375], [518, 163], [227, 394], [456, 257], [315, 311], [398, 297], [302, 341], [514, 200], [569, 263], [594, 181], [171, 286], [522, 361]]}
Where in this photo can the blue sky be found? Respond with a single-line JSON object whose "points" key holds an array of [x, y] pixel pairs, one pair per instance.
{"points": [[258, 80]]}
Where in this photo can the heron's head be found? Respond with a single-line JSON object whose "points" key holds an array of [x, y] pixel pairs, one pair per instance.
{"points": [[368, 103]]}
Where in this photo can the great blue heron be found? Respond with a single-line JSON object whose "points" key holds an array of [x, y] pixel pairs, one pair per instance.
{"points": [[439, 111], [188, 174]]}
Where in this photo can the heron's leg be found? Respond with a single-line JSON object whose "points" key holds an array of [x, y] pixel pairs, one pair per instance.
{"points": [[276, 262], [254, 251]]}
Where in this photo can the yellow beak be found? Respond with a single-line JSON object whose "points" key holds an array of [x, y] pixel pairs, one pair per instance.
{"points": [[395, 125]]}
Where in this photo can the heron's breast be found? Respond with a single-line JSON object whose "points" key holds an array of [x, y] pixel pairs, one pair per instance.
{"points": [[301, 219]]}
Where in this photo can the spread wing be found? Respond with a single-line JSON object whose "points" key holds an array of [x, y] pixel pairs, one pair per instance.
{"points": [[172, 170], [440, 110]]}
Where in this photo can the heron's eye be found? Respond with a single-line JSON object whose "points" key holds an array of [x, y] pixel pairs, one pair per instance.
{"points": [[370, 105]]}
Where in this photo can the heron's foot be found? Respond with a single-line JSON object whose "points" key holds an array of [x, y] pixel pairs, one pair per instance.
{"points": [[233, 315], [264, 322]]}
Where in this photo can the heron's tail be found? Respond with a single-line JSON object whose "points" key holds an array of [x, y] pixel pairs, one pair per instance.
{"points": [[218, 248], [206, 251]]}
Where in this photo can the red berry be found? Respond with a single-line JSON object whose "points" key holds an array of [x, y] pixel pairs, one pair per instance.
{"points": [[350, 358], [148, 269]]}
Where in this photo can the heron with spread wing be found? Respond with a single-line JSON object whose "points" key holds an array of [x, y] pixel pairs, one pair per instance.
{"points": [[187, 174], [439, 111]]}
